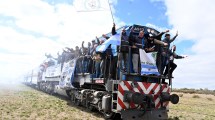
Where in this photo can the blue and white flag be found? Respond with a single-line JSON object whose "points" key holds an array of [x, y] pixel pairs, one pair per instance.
{"points": [[90, 5], [113, 41], [148, 63], [67, 75]]}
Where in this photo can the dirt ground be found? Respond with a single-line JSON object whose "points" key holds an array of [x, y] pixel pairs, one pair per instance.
{"points": [[19, 102]]}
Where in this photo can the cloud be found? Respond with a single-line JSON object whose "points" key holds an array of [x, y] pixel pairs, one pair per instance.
{"points": [[195, 22], [32, 28], [160, 29]]}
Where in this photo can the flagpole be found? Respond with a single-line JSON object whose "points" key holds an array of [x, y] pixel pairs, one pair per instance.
{"points": [[110, 10]]}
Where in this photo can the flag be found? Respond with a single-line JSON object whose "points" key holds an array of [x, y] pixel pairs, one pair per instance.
{"points": [[148, 64], [67, 75], [113, 41], [91, 5]]}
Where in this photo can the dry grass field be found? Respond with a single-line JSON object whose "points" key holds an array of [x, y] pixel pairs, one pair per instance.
{"points": [[19, 102], [193, 107]]}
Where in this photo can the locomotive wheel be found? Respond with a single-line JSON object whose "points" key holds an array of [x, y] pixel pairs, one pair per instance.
{"points": [[77, 102], [68, 93], [108, 115], [90, 107], [72, 99]]}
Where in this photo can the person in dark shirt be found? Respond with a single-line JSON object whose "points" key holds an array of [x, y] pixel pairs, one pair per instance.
{"points": [[170, 65], [159, 36], [113, 31], [85, 61], [151, 42], [136, 42], [124, 50], [168, 40]]}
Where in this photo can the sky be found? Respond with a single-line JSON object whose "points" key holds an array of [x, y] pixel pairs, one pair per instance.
{"points": [[31, 28]]}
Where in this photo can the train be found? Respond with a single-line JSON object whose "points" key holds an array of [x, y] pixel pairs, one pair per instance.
{"points": [[134, 96]]}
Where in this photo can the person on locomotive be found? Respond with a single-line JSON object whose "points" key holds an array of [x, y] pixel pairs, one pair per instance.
{"points": [[105, 36], [84, 53], [113, 32], [124, 50], [97, 58], [77, 54], [59, 58], [114, 56], [136, 42], [91, 50], [168, 40], [100, 68], [170, 66], [151, 42], [77, 51], [48, 55], [159, 36]]}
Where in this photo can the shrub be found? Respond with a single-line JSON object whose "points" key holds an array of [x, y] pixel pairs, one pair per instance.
{"points": [[180, 95], [210, 99], [196, 96]]}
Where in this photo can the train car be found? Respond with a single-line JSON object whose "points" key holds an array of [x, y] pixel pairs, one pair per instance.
{"points": [[134, 96], [31, 77]]}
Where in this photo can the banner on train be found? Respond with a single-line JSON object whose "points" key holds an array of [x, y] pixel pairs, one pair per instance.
{"points": [[68, 74], [148, 63]]}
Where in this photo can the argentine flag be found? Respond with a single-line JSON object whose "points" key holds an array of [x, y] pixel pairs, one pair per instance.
{"points": [[113, 41], [148, 63]]}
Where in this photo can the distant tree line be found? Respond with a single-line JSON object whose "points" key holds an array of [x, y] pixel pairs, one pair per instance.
{"points": [[195, 91]]}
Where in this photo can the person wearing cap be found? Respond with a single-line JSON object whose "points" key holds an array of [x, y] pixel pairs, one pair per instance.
{"points": [[136, 42], [168, 40], [165, 49], [151, 42]]}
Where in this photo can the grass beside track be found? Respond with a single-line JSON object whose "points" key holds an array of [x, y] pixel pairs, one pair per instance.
{"points": [[193, 107], [19, 102]]}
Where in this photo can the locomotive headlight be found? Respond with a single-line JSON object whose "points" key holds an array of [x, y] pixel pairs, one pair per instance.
{"points": [[134, 97], [174, 99]]}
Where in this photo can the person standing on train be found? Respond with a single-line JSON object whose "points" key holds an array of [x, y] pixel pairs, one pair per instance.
{"points": [[151, 42], [168, 40], [136, 42], [170, 66], [124, 48]]}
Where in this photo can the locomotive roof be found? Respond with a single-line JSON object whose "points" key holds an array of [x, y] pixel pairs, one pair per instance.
{"points": [[137, 29]]}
